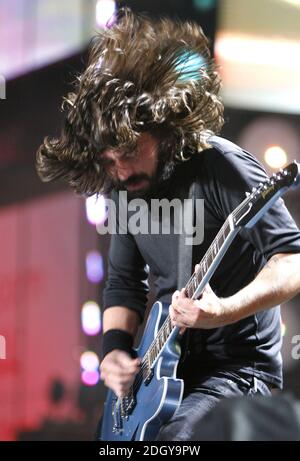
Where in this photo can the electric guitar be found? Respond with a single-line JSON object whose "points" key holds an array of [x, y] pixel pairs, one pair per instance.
{"points": [[156, 393]]}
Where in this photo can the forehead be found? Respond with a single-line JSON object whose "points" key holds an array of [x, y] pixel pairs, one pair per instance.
{"points": [[144, 140]]}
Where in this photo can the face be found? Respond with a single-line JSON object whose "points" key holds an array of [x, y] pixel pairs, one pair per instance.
{"points": [[137, 174]]}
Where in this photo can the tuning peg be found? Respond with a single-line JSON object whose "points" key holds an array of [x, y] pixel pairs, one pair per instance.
{"points": [[248, 194], [254, 190]]}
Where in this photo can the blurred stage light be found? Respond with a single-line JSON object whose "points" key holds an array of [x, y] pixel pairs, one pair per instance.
{"points": [[90, 318], [259, 72], [105, 12], [89, 361], [275, 136], [283, 329], [245, 49], [95, 209], [276, 157], [292, 2], [94, 267], [90, 378]]}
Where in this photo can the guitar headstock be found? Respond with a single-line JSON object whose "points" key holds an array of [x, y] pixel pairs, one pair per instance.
{"points": [[265, 194]]}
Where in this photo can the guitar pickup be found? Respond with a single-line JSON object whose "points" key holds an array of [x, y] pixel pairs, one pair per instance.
{"points": [[147, 376]]}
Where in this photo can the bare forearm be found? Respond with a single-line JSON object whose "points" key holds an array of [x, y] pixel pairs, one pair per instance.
{"points": [[121, 318], [277, 282]]}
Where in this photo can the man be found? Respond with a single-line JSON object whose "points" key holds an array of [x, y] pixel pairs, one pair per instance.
{"points": [[143, 119]]}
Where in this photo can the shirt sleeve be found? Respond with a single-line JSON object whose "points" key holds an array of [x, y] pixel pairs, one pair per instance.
{"points": [[236, 172], [127, 283]]}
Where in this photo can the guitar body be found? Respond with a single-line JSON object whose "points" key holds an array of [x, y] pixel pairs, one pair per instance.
{"points": [[158, 398]]}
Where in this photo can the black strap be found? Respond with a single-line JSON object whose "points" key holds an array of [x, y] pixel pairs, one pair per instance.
{"points": [[185, 258], [185, 251]]}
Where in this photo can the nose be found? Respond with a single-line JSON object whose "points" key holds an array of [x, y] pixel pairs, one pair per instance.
{"points": [[124, 169]]}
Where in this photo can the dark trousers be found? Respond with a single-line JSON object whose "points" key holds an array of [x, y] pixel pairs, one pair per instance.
{"points": [[198, 401]]}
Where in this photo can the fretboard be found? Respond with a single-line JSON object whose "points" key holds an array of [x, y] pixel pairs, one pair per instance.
{"points": [[191, 287], [207, 260]]}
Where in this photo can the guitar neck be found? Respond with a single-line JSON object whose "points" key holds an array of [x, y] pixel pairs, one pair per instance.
{"points": [[211, 259], [245, 215], [196, 284], [250, 211]]}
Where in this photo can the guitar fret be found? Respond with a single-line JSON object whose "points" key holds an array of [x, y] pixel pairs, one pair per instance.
{"points": [[160, 342], [190, 289], [152, 355], [195, 283]]}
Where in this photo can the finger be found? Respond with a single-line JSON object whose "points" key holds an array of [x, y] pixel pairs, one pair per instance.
{"points": [[182, 330], [172, 314], [182, 294], [124, 363], [113, 381], [121, 382], [178, 312], [175, 317], [175, 296], [119, 369], [119, 390], [127, 360]]}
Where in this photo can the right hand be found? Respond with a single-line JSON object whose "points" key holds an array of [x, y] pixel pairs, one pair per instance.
{"points": [[118, 371]]}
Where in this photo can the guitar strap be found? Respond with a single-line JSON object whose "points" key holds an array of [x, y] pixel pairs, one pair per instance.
{"points": [[185, 259], [185, 252]]}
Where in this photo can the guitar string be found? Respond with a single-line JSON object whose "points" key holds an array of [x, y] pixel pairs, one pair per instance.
{"points": [[153, 347], [164, 328], [224, 227], [166, 325]]}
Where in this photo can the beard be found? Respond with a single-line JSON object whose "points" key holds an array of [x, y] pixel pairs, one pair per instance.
{"points": [[156, 184]]}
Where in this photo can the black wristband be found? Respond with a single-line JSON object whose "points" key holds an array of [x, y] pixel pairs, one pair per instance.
{"points": [[117, 339]]}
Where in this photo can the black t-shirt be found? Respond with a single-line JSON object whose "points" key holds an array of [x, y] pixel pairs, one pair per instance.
{"points": [[223, 174]]}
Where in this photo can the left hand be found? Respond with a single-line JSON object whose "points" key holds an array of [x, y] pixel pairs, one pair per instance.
{"points": [[207, 312]]}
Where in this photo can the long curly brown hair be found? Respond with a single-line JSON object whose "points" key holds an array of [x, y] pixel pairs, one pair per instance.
{"points": [[135, 82]]}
